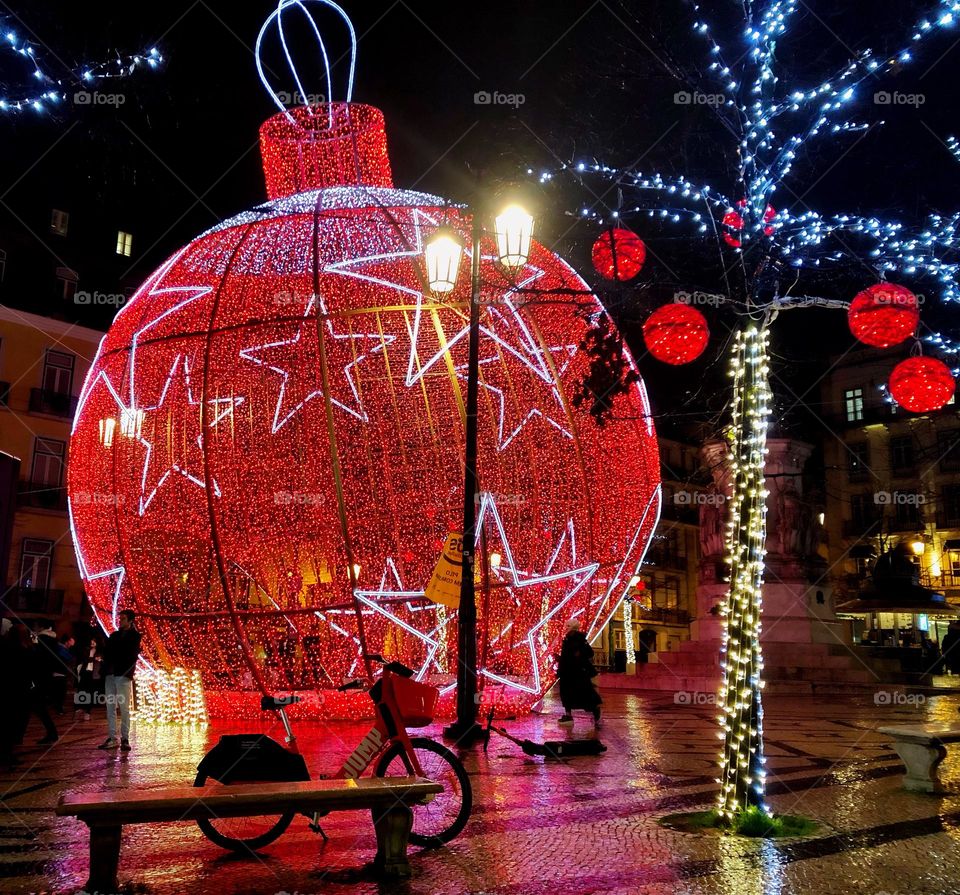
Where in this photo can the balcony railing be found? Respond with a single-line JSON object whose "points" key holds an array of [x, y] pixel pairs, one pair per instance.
{"points": [[43, 400], [664, 616], [42, 496], [861, 528], [946, 580], [33, 600]]}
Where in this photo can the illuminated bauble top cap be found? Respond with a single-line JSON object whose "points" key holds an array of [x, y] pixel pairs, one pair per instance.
{"points": [[330, 144], [319, 145]]}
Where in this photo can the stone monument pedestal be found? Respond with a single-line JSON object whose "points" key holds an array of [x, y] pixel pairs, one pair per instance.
{"points": [[804, 643]]}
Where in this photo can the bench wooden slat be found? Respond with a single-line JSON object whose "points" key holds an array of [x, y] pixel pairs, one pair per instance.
{"points": [[190, 802]]}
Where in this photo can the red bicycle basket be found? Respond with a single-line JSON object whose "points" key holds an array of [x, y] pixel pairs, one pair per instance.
{"points": [[417, 702]]}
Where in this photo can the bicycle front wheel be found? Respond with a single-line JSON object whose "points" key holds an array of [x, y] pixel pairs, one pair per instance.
{"points": [[242, 834], [441, 820]]}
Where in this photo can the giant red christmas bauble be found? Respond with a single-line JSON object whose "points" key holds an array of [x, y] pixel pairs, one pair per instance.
{"points": [[618, 254], [676, 333], [277, 416], [883, 315], [921, 384]]}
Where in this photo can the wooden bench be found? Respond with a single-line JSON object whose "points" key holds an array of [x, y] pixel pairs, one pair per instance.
{"points": [[922, 748], [388, 798]]}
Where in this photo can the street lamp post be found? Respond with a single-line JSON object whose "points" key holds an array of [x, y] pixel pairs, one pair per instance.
{"points": [[514, 231]]}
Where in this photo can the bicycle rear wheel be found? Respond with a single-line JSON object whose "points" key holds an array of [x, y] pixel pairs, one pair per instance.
{"points": [[441, 820], [242, 834]]}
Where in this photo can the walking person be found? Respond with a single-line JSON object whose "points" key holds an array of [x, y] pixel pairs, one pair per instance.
{"points": [[17, 685], [63, 671], [951, 648], [576, 672], [120, 654], [89, 677], [38, 657]]}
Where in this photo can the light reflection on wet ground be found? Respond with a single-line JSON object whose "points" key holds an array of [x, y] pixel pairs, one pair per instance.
{"points": [[585, 826]]}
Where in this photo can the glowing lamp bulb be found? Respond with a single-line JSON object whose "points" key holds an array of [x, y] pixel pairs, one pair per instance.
{"points": [[514, 229], [443, 253]]}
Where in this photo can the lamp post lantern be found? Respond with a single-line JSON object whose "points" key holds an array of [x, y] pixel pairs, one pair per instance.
{"points": [[513, 229]]}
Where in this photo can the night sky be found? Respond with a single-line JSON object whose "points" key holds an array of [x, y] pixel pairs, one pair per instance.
{"points": [[597, 79]]}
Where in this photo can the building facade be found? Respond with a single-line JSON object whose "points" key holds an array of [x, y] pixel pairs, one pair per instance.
{"points": [[892, 478], [43, 363], [664, 593]]}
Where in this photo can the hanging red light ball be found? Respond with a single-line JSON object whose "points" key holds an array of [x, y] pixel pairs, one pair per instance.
{"points": [[883, 315], [277, 414], [921, 384], [618, 254], [676, 333], [733, 224]]}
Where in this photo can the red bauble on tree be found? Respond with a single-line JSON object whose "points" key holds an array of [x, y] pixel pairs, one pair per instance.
{"points": [[278, 412], [733, 224], [618, 254], [676, 334], [883, 315], [921, 384]]}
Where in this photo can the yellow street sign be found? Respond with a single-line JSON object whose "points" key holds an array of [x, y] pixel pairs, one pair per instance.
{"points": [[444, 586]]}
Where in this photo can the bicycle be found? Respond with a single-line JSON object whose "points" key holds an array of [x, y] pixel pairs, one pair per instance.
{"points": [[401, 702]]}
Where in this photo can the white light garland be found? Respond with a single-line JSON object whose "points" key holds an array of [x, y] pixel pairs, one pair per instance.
{"points": [[47, 91], [741, 760]]}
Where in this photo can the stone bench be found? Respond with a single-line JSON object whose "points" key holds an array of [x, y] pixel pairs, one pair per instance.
{"points": [[388, 798], [922, 747]]}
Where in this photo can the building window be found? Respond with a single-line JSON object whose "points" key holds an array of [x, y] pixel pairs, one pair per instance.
{"points": [[36, 558], [58, 372], [951, 506], [47, 472], [59, 222], [124, 243], [666, 593], [859, 461], [907, 515], [948, 449], [901, 454], [67, 280], [853, 404], [863, 510]]}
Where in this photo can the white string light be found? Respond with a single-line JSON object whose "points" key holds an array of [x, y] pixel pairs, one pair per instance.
{"points": [[48, 91]]}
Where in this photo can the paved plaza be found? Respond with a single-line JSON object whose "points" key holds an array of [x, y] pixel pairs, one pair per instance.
{"points": [[585, 826]]}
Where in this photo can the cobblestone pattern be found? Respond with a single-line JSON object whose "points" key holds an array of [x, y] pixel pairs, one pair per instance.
{"points": [[585, 826]]}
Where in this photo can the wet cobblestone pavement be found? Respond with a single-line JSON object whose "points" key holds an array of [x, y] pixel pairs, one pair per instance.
{"points": [[588, 825]]}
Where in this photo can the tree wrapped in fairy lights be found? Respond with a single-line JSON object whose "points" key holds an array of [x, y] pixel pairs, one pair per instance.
{"points": [[277, 416], [769, 253]]}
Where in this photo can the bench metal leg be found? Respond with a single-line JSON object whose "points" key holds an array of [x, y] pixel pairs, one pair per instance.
{"points": [[393, 833], [922, 761], [104, 858]]}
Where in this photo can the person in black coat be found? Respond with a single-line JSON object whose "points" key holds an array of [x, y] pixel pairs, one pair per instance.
{"points": [[951, 648], [120, 655], [576, 672], [17, 685]]}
